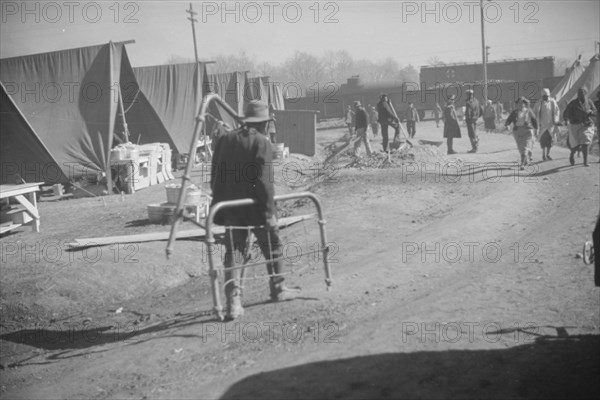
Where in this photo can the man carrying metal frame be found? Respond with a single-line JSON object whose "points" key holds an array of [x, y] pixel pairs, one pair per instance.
{"points": [[242, 168]]}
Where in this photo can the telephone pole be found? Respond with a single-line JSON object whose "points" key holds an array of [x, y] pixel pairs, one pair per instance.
{"points": [[484, 52], [193, 21]]}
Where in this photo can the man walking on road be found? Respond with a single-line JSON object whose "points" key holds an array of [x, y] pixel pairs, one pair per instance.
{"points": [[412, 117], [361, 128], [240, 169], [386, 118], [472, 114]]}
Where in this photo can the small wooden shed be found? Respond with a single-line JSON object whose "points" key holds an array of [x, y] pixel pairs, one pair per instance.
{"points": [[298, 130]]}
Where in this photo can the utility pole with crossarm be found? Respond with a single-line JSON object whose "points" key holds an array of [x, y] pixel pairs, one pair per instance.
{"points": [[193, 21]]}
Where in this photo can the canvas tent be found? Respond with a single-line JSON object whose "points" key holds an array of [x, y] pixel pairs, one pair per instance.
{"points": [[230, 87], [262, 88], [590, 79], [61, 110], [568, 80], [175, 93], [23, 153]]}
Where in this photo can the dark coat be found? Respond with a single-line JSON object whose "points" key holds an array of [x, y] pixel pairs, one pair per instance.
{"points": [[242, 167], [451, 126], [385, 113], [530, 123], [472, 109], [577, 113], [361, 120]]}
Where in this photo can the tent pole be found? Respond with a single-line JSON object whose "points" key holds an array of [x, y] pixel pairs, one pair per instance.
{"points": [[122, 109], [109, 186], [186, 178]]}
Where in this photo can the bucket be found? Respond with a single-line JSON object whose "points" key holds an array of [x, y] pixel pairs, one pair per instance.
{"points": [[193, 193], [155, 213], [161, 213]]}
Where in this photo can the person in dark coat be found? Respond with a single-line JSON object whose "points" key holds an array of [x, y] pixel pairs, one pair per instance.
{"points": [[412, 117], [242, 168], [451, 125], [472, 114], [580, 114], [386, 117], [489, 117], [360, 127]]}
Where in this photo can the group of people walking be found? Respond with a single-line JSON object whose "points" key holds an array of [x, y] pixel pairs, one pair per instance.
{"points": [[528, 124], [544, 119]]}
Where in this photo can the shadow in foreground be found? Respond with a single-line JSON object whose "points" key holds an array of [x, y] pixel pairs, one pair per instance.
{"points": [[549, 367]]}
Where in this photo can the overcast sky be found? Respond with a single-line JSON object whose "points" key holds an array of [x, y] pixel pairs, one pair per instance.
{"points": [[411, 32]]}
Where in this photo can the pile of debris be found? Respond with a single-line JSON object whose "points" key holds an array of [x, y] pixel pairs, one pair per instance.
{"points": [[395, 159], [379, 160]]}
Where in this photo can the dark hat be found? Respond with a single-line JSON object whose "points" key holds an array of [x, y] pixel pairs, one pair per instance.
{"points": [[257, 111], [523, 99], [383, 95]]}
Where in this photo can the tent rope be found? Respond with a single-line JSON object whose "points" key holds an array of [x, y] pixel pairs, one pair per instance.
{"points": [[133, 101]]}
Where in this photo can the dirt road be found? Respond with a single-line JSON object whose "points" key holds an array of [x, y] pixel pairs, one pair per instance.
{"points": [[453, 277]]}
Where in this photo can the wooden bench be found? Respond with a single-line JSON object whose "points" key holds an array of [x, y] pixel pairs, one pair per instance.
{"points": [[27, 213]]}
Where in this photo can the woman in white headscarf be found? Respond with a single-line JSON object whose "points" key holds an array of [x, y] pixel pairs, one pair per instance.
{"points": [[524, 124]]}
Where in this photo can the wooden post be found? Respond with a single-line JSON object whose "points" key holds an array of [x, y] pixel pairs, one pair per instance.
{"points": [[122, 109], [193, 21]]}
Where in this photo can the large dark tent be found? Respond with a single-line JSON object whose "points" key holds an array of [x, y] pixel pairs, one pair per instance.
{"points": [[175, 93], [24, 156], [64, 111]]}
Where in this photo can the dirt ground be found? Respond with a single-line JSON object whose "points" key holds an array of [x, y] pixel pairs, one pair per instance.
{"points": [[453, 277]]}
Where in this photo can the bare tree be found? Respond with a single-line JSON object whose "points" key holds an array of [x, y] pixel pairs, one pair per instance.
{"points": [[229, 63], [435, 60], [305, 69], [177, 59]]}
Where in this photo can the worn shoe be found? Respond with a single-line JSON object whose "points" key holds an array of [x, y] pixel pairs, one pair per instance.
{"points": [[543, 157], [472, 151], [234, 303], [451, 152], [234, 309], [283, 293], [572, 159], [549, 158]]}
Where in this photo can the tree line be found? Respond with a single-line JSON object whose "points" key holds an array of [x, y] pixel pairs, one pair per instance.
{"points": [[307, 70]]}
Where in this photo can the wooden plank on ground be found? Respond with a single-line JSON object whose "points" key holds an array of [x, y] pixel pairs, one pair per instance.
{"points": [[158, 236], [7, 226]]}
